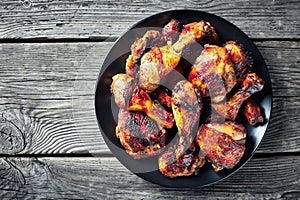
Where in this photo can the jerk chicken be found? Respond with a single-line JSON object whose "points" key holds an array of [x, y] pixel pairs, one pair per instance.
{"points": [[182, 157], [160, 61], [167, 87], [185, 165], [128, 95], [122, 87], [223, 144], [213, 73], [151, 38], [241, 59], [252, 112], [141, 101], [139, 134], [251, 85]]}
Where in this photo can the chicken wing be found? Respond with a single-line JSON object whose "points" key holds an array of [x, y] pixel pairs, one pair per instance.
{"points": [[139, 134], [252, 112], [160, 61], [213, 73], [223, 144], [229, 109]]}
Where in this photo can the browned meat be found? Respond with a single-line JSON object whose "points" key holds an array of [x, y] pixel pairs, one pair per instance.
{"points": [[229, 109], [163, 97], [139, 134], [252, 112], [181, 158], [122, 87], [170, 31], [213, 73], [241, 59], [160, 61], [151, 38], [223, 144], [185, 165], [141, 101]]}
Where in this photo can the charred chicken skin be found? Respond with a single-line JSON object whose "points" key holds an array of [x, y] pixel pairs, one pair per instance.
{"points": [[151, 38], [252, 112], [229, 109], [186, 165], [128, 96], [241, 59], [182, 158], [122, 87], [141, 101], [139, 134], [223, 144], [213, 73], [160, 61]]}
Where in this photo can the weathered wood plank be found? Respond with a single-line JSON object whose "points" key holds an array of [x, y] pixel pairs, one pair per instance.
{"points": [[97, 18], [47, 92], [106, 178]]}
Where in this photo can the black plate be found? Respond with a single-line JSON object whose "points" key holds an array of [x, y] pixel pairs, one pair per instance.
{"points": [[106, 110]]}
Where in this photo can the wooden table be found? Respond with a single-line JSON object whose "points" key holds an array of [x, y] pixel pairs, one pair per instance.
{"points": [[50, 143]]}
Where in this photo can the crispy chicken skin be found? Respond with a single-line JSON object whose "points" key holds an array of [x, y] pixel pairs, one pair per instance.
{"points": [[139, 134], [213, 73], [223, 144], [160, 61], [185, 165], [138, 48], [171, 30], [252, 112], [141, 101], [163, 97], [229, 109], [122, 87], [186, 107], [151, 38], [182, 158], [241, 59]]}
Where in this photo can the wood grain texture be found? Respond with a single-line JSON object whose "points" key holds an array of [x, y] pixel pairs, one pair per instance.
{"points": [[105, 178], [47, 91], [29, 19]]}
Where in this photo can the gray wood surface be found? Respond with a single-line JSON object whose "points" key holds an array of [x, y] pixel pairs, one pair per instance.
{"points": [[48, 93], [106, 178], [51, 53], [45, 19]]}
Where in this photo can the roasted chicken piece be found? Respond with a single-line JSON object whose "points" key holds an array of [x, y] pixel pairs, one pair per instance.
{"points": [[223, 144], [151, 38], [213, 73], [139, 134], [229, 109], [185, 165], [181, 157], [141, 101], [138, 48], [241, 59], [122, 87], [252, 112], [171, 31], [186, 108], [163, 96], [160, 61]]}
